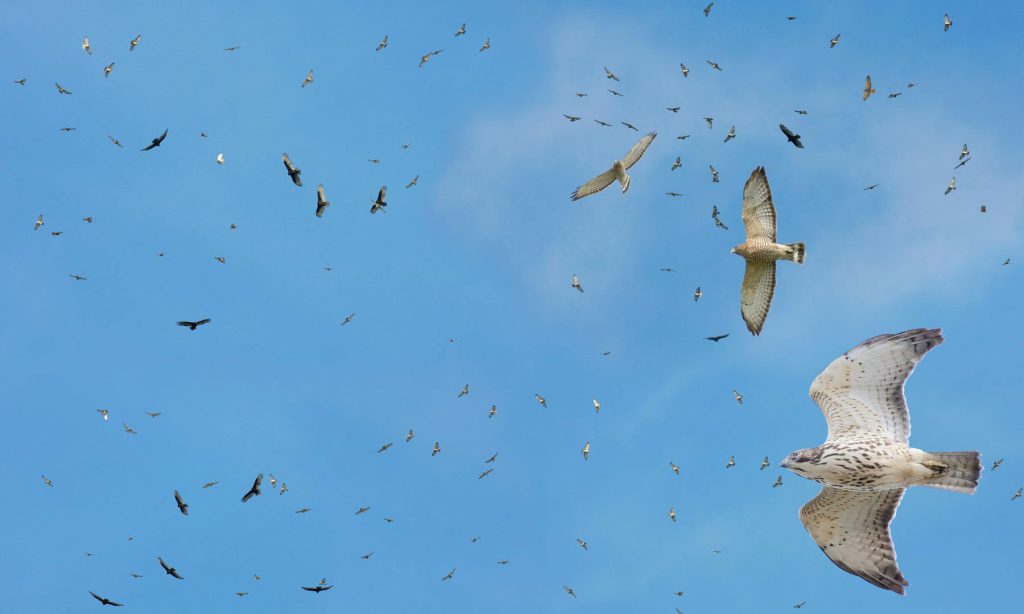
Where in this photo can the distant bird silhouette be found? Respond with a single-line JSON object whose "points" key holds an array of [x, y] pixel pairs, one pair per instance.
{"points": [[674, 467], [739, 397], [321, 201], [609, 74], [778, 482], [714, 65], [951, 186], [697, 294], [303, 510], [946, 23], [486, 45], [182, 506], [461, 30], [672, 514], [383, 43], [791, 137], [194, 325], [569, 591], [61, 90], [135, 43], [683, 69], [996, 464], [156, 142], [576, 283], [170, 570], [128, 429], [731, 135], [104, 413], [309, 78], [107, 69], [485, 474], [541, 400], [77, 277], [463, 392], [764, 463], [586, 451], [868, 90], [833, 42], [413, 182], [597, 406], [48, 481], [731, 463], [380, 203], [449, 575], [717, 338], [426, 58], [255, 490], [104, 600], [318, 588], [707, 9], [437, 449]]}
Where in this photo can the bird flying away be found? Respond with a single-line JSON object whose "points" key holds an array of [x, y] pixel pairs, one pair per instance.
{"points": [[182, 506], [194, 325], [156, 142], [170, 570], [761, 251], [255, 490], [380, 203], [293, 171], [617, 171], [791, 137], [866, 463], [61, 90], [104, 600], [318, 588]]}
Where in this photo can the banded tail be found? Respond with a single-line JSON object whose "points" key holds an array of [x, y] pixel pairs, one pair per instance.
{"points": [[799, 251], [960, 471]]}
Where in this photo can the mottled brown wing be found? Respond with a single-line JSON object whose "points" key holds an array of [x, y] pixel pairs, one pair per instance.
{"points": [[756, 294], [758, 210], [862, 390], [852, 529]]}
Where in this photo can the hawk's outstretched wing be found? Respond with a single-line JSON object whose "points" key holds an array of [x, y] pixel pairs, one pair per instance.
{"points": [[758, 210], [595, 185], [862, 390], [852, 529], [756, 294], [638, 150]]}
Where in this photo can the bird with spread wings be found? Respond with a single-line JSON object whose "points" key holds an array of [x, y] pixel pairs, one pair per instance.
{"points": [[866, 463], [617, 171]]}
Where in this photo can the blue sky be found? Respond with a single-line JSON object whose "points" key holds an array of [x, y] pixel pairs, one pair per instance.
{"points": [[482, 251]]}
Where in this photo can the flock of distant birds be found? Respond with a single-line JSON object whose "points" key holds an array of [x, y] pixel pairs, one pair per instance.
{"points": [[616, 173]]}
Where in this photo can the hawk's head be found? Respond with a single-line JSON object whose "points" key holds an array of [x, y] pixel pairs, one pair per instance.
{"points": [[803, 462]]}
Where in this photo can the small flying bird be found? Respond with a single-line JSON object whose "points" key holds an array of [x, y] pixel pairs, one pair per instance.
{"points": [[739, 397], [697, 294], [673, 109], [541, 400], [672, 514], [868, 90], [571, 118], [321, 201], [385, 447], [486, 45], [105, 601], [678, 594], [714, 173], [964, 152], [220, 158], [413, 182], [714, 65], [383, 43], [220, 259], [576, 283], [614, 93], [380, 203], [105, 413], [1006, 262], [951, 186], [674, 467], [128, 429], [48, 481], [348, 320], [731, 463], [668, 270], [778, 482], [87, 220], [764, 463], [946, 24], [68, 129], [962, 162], [791, 137], [1016, 495], [389, 520], [255, 490], [630, 126], [895, 94], [182, 506], [194, 325], [284, 489], [77, 277], [461, 30], [156, 142], [362, 510], [984, 208], [485, 474], [996, 464], [678, 162], [210, 484], [580, 94], [135, 43], [202, 135], [609, 74], [493, 458], [61, 90], [373, 161], [318, 588], [871, 187], [303, 510], [717, 338], [57, 233], [463, 392], [449, 575], [720, 224], [684, 70], [233, 48], [503, 562], [799, 605], [569, 591], [107, 69], [309, 78], [800, 112], [437, 449], [910, 85], [426, 58], [601, 123], [731, 135], [86, 46], [115, 141], [673, 194], [833, 42], [707, 9], [493, 410], [20, 81], [617, 171], [586, 451], [170, 570], [366, 557], [409, 437], [241, 594], [597, 406]]}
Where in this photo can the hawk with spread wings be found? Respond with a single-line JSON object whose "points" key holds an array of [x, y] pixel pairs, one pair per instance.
{"points": [[866, 464], [617, 171], [761, 251]]}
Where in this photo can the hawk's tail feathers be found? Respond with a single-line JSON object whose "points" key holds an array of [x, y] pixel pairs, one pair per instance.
{"points": [[799, 251], [961, 472]]}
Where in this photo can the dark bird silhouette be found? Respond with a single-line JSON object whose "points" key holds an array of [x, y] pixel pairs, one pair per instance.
{"points": [[156, 142], [380, 203], [318, 589], [194, 325], [717, 338], [451, 573], [170, 570], [181, 503], [104, 600], [255, 490], [20, 81], [77, 277], [60, 90], [293, 171], [871, 187], [602, 123], [321, 201], [792, 138]]}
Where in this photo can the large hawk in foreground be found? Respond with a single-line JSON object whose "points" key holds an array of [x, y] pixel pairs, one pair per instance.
{"points": [[761, 251], [617, 171], [866, 463]]}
